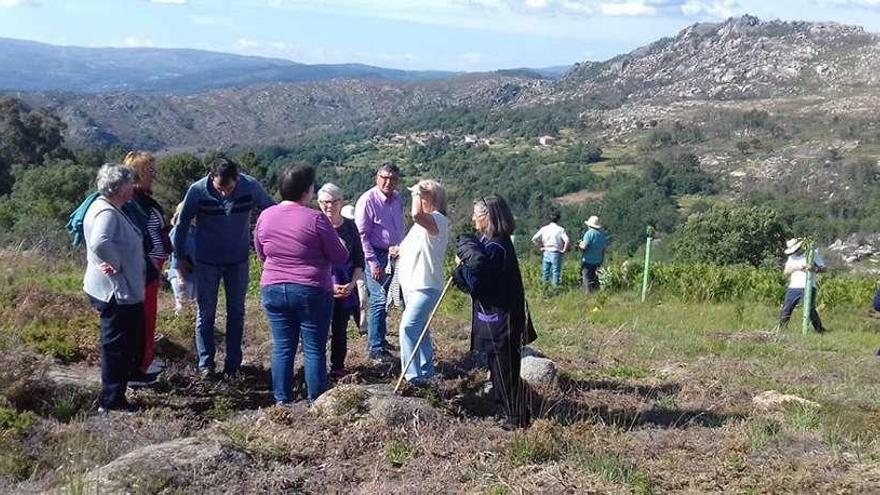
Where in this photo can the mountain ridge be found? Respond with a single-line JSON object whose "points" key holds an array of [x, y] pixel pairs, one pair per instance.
{"points": [[740, 59]]}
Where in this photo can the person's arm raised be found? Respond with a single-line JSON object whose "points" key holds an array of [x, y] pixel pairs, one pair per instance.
{"points": [[419, 215]]}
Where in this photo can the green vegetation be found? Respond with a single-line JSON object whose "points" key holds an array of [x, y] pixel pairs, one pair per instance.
{"points": [[398, 452]]}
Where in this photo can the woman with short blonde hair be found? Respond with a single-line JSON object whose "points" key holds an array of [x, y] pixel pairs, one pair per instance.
{"points": [[421, 268]]}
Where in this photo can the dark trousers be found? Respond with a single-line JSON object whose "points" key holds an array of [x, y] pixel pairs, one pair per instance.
{"points": [[502, 351], [338, 335], [792, 298], [589, 277], [877, 301], [122, 339]]}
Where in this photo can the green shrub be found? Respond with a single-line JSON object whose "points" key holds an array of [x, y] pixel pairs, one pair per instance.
{"points": [[16, 422], [726, 235]]}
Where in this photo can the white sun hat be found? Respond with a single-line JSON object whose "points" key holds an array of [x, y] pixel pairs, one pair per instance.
{"points": [[792, 245], [593, 222]]}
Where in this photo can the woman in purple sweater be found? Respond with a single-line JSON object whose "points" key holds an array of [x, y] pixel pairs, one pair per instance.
{"points": [[297, 246]]}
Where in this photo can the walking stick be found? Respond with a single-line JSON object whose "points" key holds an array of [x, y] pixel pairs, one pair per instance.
{"points": [[415, 351]]}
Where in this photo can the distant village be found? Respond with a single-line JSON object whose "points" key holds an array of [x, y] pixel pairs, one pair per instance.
{"points": [[395, 140]]}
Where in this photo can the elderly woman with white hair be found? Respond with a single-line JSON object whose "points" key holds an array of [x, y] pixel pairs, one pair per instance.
{"points": [[114, 282], [345, 277], [421, 280]]}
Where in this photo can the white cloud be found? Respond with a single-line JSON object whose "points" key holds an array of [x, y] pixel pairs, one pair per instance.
{"points": [[170, 2], [851, 3], [713, 8], [14, 3], [577, 7], [274, 3], [634, 8], [471, 59], [246, 44], [536, 4], [134, 42]]}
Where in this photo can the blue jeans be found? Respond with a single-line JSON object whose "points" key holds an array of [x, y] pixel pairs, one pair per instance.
{"points": [[551, 268], [377, 314], [235, 282], [295, 311], [419, 304]]}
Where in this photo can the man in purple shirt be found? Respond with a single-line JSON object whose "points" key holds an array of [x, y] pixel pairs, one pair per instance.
{"points": [[379, 218]]}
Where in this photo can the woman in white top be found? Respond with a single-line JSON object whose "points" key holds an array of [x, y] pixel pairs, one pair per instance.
{"points": [[421, 268]]}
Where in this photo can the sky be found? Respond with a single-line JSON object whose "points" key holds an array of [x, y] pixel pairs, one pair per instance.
{"points": [[460, 35]]}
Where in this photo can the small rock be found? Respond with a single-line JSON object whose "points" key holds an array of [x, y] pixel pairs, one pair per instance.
{"points": [[375, 403], [673, 371], [537, 371], [772, 400]]}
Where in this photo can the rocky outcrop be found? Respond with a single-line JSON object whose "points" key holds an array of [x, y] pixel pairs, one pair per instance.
{"points": [[856, 248], [153, 467], [740, 58]]}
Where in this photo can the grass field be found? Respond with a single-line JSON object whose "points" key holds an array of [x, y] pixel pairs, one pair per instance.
{"points": [[650, 398]]}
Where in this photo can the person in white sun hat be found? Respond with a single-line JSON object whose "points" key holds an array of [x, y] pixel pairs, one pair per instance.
{"points": [[594, 244], [796, 269]]}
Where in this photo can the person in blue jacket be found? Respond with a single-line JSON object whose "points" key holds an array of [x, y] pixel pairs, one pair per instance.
{"points": [[221, 204]]}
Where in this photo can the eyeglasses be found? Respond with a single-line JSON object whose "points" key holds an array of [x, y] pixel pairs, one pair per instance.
{"points": [[328, 202], [389, 177]]}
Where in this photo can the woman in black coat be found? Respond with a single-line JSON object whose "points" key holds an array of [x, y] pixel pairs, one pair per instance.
{"points": [[489, 271]]}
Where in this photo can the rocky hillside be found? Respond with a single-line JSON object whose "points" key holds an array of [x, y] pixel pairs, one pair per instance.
{"points": [[738, 61], [742, 58], [265, 113]]}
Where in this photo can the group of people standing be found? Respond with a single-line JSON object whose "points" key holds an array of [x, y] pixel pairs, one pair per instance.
{"points": [[553, 242], [311, 260]]}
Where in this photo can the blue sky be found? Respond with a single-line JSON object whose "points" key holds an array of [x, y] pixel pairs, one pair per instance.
{"points": [[407, 34]]}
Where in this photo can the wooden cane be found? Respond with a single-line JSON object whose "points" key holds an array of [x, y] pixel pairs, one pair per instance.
{"points": [[415, 351]]}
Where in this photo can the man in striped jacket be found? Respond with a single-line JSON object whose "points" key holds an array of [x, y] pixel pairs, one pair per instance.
{"points": [[221, 203]]}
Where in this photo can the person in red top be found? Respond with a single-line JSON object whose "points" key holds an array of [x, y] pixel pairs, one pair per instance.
{"points": [[157, 247]]}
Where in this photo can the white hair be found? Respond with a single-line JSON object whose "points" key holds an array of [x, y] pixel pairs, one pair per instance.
{"points": [[332, 190], [112, 177]]}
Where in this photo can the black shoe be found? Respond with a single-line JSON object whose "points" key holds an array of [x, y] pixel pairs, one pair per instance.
{"points": [[141, 379], [381, 357]]}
